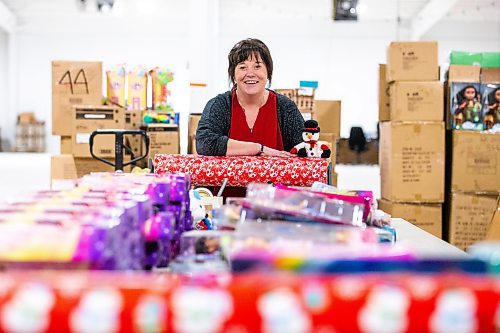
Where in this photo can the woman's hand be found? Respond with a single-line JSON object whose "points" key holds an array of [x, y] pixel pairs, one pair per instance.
{"points": [[274, 152]]}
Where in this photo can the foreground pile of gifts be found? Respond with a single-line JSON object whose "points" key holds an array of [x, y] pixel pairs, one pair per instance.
{"points": [[282, 259], [116, 221]]}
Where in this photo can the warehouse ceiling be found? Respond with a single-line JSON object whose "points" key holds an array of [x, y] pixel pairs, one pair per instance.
{"points": [[416, 15], [462, 10]]}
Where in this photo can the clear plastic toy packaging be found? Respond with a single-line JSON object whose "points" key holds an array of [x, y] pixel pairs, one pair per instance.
{"points": [[465, 106], [491, 106]]}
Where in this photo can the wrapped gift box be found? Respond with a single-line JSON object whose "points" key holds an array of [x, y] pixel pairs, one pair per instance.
{"points": [[111, 302], [242, 170]]}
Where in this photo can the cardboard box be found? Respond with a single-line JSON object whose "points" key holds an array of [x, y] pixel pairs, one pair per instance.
{"points": [[73, 83], [384, 113], [305, 103], [470, 217], [194, 119], [87, 119], [412, 61], [416, 101], [490, 75], [30, 137], [331, 140], [26, 118], [133, 121], [69, 167], [427, 217], [494, 229], [334, 179], [327, 114], [66, 145], [475, 163], [163, 139], [411, 158], [464, 73]]}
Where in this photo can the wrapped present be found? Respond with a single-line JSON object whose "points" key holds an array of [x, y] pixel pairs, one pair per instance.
{"points": [[243, 170], [111, 302]]}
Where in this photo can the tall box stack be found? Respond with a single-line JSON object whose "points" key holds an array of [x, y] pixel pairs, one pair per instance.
{"points": [[473, 150], [412, 135], [474, 183], [327, 114]]}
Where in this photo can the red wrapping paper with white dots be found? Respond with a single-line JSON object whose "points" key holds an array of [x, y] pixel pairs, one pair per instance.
{"points": [[242, 170]]}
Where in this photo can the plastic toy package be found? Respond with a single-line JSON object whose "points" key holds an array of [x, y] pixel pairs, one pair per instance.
{"points": [[491, 106], [115, 83], [161, 78], [201, 252], [111, 221], [293, 204], [271, 245], [465, 106], [161, 117], [137, 88]]}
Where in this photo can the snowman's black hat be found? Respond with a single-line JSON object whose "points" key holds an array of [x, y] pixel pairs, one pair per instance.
{"points": [[311, 126]]}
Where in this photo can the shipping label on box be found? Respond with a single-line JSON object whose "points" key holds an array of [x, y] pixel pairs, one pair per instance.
{"points": [[470, 217], [327, 114], [416, 101], [87, 119], [412, 61], [383, 95], [475, 161], [163, 139], [73, 83], [411, 158], [427, 217]]}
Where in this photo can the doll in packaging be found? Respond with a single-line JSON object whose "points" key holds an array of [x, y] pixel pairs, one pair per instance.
{"points": [[491, 119], [467, 114]]}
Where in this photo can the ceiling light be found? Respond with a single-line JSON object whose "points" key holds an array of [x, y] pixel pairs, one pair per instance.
{"points": [[345, 10]]}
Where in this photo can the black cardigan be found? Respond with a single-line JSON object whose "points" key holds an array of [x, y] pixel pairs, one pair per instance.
{"points": [[213, 128]]}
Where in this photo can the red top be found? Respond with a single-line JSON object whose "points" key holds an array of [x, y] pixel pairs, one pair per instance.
{"points": [[266, 129]]}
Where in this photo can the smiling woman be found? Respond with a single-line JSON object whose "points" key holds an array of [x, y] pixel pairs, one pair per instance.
{"points": [[250, 119]]}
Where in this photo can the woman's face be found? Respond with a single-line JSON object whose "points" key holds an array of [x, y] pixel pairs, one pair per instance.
{"points": [[250, 76], [470, 93], [497, 96]]}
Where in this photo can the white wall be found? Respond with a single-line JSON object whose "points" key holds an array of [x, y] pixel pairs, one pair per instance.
{"points": [[3, 85], [343, 57]]}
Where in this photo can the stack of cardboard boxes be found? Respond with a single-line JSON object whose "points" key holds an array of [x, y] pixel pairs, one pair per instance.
{"points": [[327, 114], [77, 111], [473, 163], [412, 135], [30, 133], [77, 90]]}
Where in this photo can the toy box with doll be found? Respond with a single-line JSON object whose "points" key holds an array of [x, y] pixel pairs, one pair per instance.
{"points": [[465, 106]]}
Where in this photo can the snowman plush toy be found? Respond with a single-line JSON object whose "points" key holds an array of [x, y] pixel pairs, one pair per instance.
{"points": [[310, 147]]}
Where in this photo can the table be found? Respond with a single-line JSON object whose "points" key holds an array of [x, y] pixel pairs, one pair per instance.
{"points": [[423, 243]]}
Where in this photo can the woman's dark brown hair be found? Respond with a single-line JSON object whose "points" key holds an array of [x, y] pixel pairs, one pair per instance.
{"points": [[244, 50]]}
